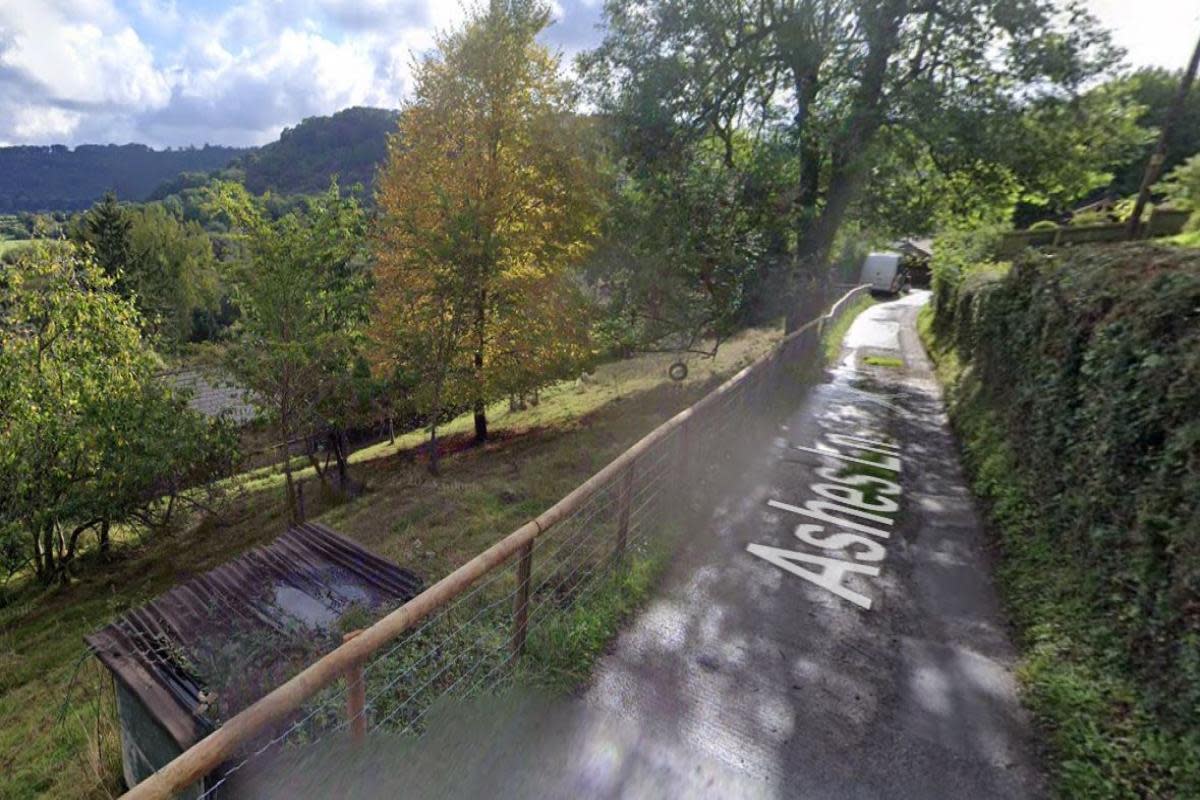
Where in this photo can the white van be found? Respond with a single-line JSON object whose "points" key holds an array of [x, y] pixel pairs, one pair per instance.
{"points": [[883, 272]]}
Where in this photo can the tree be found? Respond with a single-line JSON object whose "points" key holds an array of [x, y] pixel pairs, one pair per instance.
{"points": [[684, 245], [484, 203], [170, 271], [88, 436], [165, 266], [105, 227], [824, 78], [1181, 188], [301, 286], [1153, 89]]}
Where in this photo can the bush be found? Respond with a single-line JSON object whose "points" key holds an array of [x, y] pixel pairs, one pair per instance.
{"points": [[1085, 366], [957, 254]]}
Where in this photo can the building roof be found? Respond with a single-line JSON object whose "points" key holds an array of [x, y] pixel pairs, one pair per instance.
{"points": [[213, 645], [915, 247]]}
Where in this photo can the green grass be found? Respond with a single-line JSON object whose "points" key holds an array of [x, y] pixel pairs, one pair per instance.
{"points": [[883, 361], [560, 654], [7, 245], [1103, 740], [1186, 239], [832, 336], [430, 525]]}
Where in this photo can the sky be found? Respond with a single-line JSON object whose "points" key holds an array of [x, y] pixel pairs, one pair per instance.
{"points": [[236, 72]]}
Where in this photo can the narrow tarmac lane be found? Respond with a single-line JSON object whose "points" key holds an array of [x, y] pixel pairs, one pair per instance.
{"points": [[833, 631], [829, 630]]}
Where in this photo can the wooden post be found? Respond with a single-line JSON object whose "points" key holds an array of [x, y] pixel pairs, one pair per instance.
{"points": [[1154, 166], [623, 518], [300, 501], [685, 459], [356, 697], [521, 600]]}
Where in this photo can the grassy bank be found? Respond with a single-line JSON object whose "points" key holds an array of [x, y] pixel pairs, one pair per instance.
{"points": [[1070, 381], [57, 735]]}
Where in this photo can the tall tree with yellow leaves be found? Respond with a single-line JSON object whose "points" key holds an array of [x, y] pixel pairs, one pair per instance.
{"points": [[485, 203]]}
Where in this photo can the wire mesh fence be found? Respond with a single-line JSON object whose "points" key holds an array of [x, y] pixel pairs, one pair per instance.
{"points": [[490, 622]]}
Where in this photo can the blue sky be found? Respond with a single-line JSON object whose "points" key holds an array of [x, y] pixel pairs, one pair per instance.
{"points": [[178, 72]]}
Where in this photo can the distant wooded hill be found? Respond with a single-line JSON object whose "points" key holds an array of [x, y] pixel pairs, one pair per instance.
{"points": [[349, 144], [58, 178]]}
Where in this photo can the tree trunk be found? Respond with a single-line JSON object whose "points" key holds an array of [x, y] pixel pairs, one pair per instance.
{"points": [[105, 544], [481, 431], [848, 165], [434, 467], [44, 554], [310, 448], [342, 453], [293, 512]]}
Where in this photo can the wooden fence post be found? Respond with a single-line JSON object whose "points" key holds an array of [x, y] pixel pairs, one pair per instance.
{"points": [[623, 517], [521, 600], [356, 697], [300, 501], [685, 459]]}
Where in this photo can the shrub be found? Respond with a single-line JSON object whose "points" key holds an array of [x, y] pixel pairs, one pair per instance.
{"points": [[1075, 381], [1090, 357], [957, 254]]}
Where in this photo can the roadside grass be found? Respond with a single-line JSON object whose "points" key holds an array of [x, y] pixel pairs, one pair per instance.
{"points": [[1091, 710], [560, 654], [1186, 239], [430, 525], [831, 337], [883, 361]]}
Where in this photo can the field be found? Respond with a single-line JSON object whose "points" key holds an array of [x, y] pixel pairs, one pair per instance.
{"points": [[7, 245], [58, 737]]}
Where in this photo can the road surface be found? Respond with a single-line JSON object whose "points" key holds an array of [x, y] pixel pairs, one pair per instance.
{"points": [[830, 631], [744, 677]]}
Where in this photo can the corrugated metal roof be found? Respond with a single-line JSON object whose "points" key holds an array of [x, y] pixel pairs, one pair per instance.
{"points": [[213, 645]]}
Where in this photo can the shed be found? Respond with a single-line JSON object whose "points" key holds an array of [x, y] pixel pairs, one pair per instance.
{"points": [[917, 253], [213, 645]]}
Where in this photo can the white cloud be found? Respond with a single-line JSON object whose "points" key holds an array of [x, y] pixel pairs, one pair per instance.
{"points": [[164, 72], [89, 60]]}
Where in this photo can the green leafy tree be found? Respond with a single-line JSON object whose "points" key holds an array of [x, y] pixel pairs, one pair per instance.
{"points": [[89, 437], [682, 252], [1153, 90], [105, 227], [166, 266], [1181, 189], [301, 285], [170, 271], [824, 78]]}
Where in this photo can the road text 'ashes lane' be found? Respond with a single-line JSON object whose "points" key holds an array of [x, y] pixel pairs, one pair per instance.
{"points": [[852, 514]]}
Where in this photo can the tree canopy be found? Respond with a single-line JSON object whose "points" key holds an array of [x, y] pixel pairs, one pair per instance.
{"points": [[91, 437], [301, 285], [848, 89], [484, 203]]}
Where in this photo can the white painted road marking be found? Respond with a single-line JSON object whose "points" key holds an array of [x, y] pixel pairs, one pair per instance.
{"points": [[843, 506]]}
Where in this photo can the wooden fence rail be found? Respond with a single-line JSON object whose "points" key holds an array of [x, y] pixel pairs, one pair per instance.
{"points": [[345, 662]]}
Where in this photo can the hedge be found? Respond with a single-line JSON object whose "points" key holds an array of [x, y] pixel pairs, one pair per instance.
{"points": [[1087, 360]]}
